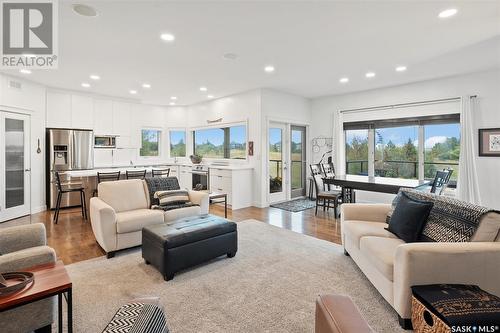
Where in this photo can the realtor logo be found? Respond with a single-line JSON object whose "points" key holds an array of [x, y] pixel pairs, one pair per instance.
{"points": [[29, 34]]}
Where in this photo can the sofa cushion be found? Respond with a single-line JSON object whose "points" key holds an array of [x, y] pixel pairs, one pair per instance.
{"points": [[356, 229], [409, 218], [135, 220], [123, 195], [175, 214], [489, 228], [380, 251]]}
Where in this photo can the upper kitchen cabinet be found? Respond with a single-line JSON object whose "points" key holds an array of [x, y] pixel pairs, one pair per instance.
{"points": [[58, 109], [103, 117], [82, 112], [122, 113]]}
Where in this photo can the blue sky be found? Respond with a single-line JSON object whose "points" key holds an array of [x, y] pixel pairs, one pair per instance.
{"points": [[216, 135], [400, 135], [177, 136], [275, 136]]}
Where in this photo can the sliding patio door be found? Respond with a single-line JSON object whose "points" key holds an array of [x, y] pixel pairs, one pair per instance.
{"points": [[14, 166]]}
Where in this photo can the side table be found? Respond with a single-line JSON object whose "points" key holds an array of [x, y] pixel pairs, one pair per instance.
{"points": [[49, 280]]}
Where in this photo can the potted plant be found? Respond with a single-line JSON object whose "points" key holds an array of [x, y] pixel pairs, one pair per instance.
{"points": [[195, 159]]}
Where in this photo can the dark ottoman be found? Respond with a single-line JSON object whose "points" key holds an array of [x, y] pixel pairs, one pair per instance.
{"points": [[188, 242]]}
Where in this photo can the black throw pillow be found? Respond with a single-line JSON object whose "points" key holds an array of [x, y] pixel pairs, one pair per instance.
{"points": [[409, 218]]}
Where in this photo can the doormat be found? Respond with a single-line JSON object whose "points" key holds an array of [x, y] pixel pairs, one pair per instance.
{"points": [[296, 205]]}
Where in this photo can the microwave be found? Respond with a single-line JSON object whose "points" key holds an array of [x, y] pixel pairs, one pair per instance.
{"points": [[104, 141]]}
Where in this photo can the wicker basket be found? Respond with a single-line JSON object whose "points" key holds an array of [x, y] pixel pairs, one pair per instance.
{"points": [[424, 321]]}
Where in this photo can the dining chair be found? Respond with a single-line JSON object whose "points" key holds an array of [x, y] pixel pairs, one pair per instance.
{"points": [[106, 177], [324, 198], [135, 174], [328, 169], [69, 188], [441, 180], [160, 172]]}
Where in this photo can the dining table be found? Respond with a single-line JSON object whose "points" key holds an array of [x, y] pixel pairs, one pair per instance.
{"points": [[349, 183]]}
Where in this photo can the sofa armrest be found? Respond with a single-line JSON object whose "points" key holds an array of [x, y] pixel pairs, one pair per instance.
{"points": [[103, 220], [27, 258], [364, 212], [431, 263], [22, 237], [200, 198]]}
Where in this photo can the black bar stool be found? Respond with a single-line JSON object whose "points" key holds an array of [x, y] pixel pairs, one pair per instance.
{"points": [[136, 174], [160, 172], [68, 189], [106, 177]]}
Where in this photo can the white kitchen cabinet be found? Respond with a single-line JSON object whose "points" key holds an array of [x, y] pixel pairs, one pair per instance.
{"points": [[82, 112], [122, 116], [123, 157], [103, 158], [103, 117], [58, 109], [124, 142], [236, 183], [185, 177]]}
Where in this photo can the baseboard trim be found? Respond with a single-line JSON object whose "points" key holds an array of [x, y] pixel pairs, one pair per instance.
{"points": [[38, 209]]}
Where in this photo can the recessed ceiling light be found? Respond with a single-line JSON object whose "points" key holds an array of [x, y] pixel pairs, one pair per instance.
{"points": [[203, 89], [146, 85], [400, 68], [84, 10], [167, 37], [344, 80], [173, 98], [370, 74], [269, 69], [95, 77], [448, 13], [86, 85], [133, 92], [171, 103], [25, 71], [210, 96]]}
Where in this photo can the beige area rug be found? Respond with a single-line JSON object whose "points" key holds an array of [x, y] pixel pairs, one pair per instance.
{"points": [[269, 286]]}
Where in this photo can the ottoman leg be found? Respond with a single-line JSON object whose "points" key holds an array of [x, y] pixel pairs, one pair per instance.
{"points": [[231, 254], [147, 262], [168, 276]]}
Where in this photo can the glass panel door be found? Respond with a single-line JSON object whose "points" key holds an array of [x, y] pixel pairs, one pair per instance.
{"points": [[14, 166], [276, 163], [297, 161]]}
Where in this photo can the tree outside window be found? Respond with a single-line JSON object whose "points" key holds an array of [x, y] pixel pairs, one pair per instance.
{"points": [[150, 143], [226, 142], [177, 143]]}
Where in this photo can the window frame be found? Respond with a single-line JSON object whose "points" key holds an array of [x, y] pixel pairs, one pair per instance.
{"points": [[226, 148], [420, 122], [177, 129], [160, 135]]}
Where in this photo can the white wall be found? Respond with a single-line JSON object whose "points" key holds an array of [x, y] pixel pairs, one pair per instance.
{"points": [[486, 85]]}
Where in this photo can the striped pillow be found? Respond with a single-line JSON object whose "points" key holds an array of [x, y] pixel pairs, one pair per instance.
{"points": [[171, 197]]}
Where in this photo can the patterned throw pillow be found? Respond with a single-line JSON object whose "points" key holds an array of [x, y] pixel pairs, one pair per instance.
{"points": [[172, 197]]}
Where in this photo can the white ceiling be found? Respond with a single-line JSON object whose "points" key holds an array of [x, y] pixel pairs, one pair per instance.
{"points": [[311, 44]]}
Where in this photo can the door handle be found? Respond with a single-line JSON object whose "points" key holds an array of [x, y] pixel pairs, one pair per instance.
{"points": [[27, 170]]}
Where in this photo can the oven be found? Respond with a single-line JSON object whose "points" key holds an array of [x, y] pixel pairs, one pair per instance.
{"points": [[200, 178]]}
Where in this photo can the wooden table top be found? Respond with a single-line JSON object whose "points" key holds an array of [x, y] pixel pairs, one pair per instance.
{"points": [[49, 279]]}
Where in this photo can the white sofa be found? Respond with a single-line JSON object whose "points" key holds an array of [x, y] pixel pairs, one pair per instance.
{"points": [[122, 209], [393, 266]]}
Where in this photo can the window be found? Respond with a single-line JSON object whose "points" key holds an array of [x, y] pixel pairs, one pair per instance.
{"points": [[225, 142], [356, 151], [177, 143], [396, 150], [150, 143], [442, 149], [398, 143]]}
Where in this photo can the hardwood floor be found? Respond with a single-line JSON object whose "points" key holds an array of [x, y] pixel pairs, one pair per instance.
{"points": [[73, 240]]}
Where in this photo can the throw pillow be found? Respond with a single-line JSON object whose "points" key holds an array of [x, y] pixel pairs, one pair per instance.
{"points": [[409, 218], [393, 206], [171, 197]]}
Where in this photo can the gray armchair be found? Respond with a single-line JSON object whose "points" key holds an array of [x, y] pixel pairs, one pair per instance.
{"points": [[22, 247]]}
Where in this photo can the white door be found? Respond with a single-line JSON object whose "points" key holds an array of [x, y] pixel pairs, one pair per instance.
{"points": [[14, 166], [277, 162]]}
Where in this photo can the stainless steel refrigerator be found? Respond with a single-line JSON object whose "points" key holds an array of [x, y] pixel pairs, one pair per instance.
{"points": [[67, 150]]}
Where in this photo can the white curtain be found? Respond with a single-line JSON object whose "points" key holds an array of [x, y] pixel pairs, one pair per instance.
{"points": [[468, 184], [338, 146]]}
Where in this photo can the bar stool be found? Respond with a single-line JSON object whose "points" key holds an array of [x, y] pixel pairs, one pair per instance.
{"points": [[135, 174], [160, 172], [106, 177], [69, 189]]}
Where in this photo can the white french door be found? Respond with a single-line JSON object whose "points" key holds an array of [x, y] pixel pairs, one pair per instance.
{"points": [[14, 165], [278, 162]]}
